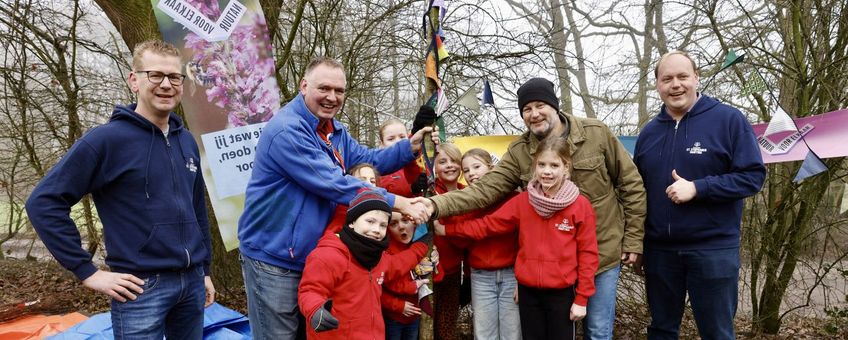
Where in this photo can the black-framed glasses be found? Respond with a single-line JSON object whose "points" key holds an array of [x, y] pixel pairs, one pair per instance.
{"points": [[157, 77]]}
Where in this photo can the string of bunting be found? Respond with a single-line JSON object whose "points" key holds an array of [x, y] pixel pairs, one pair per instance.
{"points": [[435, 54], [780, 120]]}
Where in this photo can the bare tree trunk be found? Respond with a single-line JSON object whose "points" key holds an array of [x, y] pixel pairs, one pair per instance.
{"points": [[286, 51], [558, 42], [134, 19], [580, 72], [645, 61], [92, 234], [661, 41]]}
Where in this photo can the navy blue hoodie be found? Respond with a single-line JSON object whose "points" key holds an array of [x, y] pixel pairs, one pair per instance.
{"points": [[148, 191], [713, 145]]}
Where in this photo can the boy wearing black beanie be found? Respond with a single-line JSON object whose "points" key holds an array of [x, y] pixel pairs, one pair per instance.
{"points": [[343, 276]]}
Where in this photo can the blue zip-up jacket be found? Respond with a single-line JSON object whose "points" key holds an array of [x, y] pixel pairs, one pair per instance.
{"points": [[148, 191], [297, 182], [713, 145]]}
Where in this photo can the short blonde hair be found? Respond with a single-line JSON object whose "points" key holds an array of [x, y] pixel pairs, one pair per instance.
{"points": [[153, 45], [326, 61], [664, 56], [451, 151]]}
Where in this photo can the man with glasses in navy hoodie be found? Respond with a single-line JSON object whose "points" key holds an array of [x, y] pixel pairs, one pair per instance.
{"points": [[699, 159], [143, 170]]}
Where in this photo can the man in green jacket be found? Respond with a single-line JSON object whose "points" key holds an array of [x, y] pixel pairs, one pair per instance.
{"points": [[603, 171]]}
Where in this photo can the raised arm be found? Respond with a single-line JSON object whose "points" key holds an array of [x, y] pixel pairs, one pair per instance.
{"points": [[502, 221], [488, 190]]}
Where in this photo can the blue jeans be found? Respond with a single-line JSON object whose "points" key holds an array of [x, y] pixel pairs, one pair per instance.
{"points": [[600, 312], [711, 277], [171, 305], [495, 312], [272, 300], [398, 331]]}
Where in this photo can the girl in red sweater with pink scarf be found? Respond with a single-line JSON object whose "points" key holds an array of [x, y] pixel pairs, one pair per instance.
{"points": [[557, 246]]}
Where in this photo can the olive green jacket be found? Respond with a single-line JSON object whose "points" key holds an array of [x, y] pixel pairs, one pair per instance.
{"points": [[601, 168]]}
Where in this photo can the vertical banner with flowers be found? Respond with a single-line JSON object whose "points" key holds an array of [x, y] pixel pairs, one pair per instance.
{"points": [[230, 93]]}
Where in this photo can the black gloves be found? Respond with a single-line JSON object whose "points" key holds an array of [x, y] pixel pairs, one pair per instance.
{"points": [[322, 320], [420, 185], [425, 117]]}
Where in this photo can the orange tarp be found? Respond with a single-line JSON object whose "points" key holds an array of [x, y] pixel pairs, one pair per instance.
{"points": [[38, 326]]}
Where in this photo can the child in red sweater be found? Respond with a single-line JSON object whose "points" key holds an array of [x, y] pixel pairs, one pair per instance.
{"points": [[408, 181], [558, 249], [401, 309], [339, 293], [493, 284], [447, 165]]}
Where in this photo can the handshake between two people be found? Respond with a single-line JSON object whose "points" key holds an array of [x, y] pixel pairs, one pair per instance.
{"points": [[419, 209]]}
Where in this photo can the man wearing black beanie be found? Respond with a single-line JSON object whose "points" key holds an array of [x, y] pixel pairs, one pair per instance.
{"points": [[539, 89], [602, 169]]}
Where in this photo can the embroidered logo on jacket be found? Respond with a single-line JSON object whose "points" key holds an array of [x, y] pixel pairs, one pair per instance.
{"points": [[565, 225], [381, 278], [696, 149], [190, 165]]}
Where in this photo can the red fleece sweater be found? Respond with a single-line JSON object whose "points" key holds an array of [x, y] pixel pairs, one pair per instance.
{"points": [[337, 222], [554, 252], [400, 182], [451, 249], [397, 292], [495, 251], [332, 273]]}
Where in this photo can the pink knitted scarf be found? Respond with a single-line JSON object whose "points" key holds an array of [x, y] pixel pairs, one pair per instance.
{"points": [[547, 206]]}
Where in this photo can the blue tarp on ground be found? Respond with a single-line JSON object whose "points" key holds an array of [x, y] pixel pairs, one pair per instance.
{"points": [[219, 323]]}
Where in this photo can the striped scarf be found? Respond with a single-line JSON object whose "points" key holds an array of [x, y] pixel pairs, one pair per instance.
{"points": [[547, 206]]}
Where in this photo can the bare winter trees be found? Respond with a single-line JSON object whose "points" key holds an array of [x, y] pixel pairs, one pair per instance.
{"points": [[60, 76], [55, 85]]}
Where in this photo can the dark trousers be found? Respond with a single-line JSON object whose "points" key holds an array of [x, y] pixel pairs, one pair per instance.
{"points": [[545, 313], [446, 309], [711, 277], [398, 331]]}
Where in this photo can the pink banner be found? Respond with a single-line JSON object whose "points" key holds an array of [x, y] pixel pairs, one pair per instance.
{"points": [[824, 133]]}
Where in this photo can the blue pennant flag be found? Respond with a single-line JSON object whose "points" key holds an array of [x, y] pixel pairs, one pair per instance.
{"points": [[488, 99], [812, 166]]}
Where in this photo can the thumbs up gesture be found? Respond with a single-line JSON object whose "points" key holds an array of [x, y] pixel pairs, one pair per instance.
{"points": [[682, 190]]}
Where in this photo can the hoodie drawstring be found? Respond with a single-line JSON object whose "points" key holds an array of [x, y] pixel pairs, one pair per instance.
{"points": [[665, 140], [147, 165]]}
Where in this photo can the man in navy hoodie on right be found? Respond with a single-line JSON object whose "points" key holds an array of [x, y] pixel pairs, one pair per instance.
{"points": [[699, 159], [143, 170]]}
